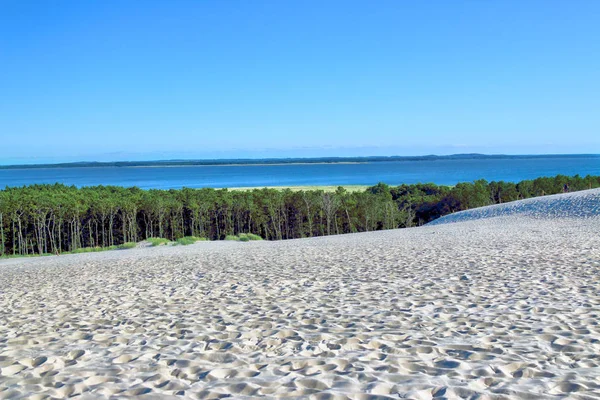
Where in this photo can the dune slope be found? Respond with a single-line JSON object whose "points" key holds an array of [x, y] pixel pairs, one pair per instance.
{"points": [[584, 204], [492, 308]]}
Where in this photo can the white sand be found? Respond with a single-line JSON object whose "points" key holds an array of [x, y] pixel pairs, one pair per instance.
{"points": [[493, 308]]}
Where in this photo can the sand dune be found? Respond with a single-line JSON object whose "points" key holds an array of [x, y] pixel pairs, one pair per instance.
{"points": [[498, 305], [583, 204]]}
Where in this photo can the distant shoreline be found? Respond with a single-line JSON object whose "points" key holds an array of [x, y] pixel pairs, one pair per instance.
{"points": [[325, 188], [287, 161], [60, 166], [235, 165]]}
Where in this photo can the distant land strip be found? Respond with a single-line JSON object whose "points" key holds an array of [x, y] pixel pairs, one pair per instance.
{"points": [[284, 161]]}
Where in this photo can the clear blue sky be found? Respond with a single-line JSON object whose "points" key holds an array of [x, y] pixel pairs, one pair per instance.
{"points": [[103, 80]]}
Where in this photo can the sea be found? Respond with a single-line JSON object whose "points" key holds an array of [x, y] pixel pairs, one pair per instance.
{"points": [[441, 172]]}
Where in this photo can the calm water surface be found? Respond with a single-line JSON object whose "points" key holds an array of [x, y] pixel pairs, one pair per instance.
{"points": [[442, 172]]}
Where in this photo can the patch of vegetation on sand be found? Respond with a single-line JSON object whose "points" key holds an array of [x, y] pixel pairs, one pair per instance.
{"points": [[243, 237], [128, 245], [157, 241], [184, 241], [90, 250]]}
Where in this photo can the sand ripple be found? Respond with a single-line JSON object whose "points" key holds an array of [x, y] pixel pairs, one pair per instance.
{"points": [[490, 309]]}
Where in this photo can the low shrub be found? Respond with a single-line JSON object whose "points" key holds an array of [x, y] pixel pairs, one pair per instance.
{"points": [[24, 255], [128, 245], [156, 241], [87, 250], [184, 241], [243, 237]]}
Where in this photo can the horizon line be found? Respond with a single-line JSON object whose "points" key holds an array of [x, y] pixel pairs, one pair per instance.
{"points": [[282, 160]]}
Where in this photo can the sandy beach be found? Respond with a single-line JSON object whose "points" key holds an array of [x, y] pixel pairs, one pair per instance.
{"points": [[495, 304]]}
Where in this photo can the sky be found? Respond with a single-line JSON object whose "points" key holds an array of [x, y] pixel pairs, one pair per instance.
{"points": [[128, 80]]}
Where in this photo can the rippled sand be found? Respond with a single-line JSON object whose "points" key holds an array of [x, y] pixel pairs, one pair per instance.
{"points": [[501, 307]]}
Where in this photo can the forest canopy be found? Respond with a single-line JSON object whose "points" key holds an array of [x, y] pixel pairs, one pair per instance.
{"points": [[40, 219]]}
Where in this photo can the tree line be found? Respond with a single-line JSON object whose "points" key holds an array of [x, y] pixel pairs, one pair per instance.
{"points": [[40, 219], [296, 160]]}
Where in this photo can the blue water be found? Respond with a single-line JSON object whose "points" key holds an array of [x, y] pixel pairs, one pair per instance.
{"points": [[442, 172]]}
